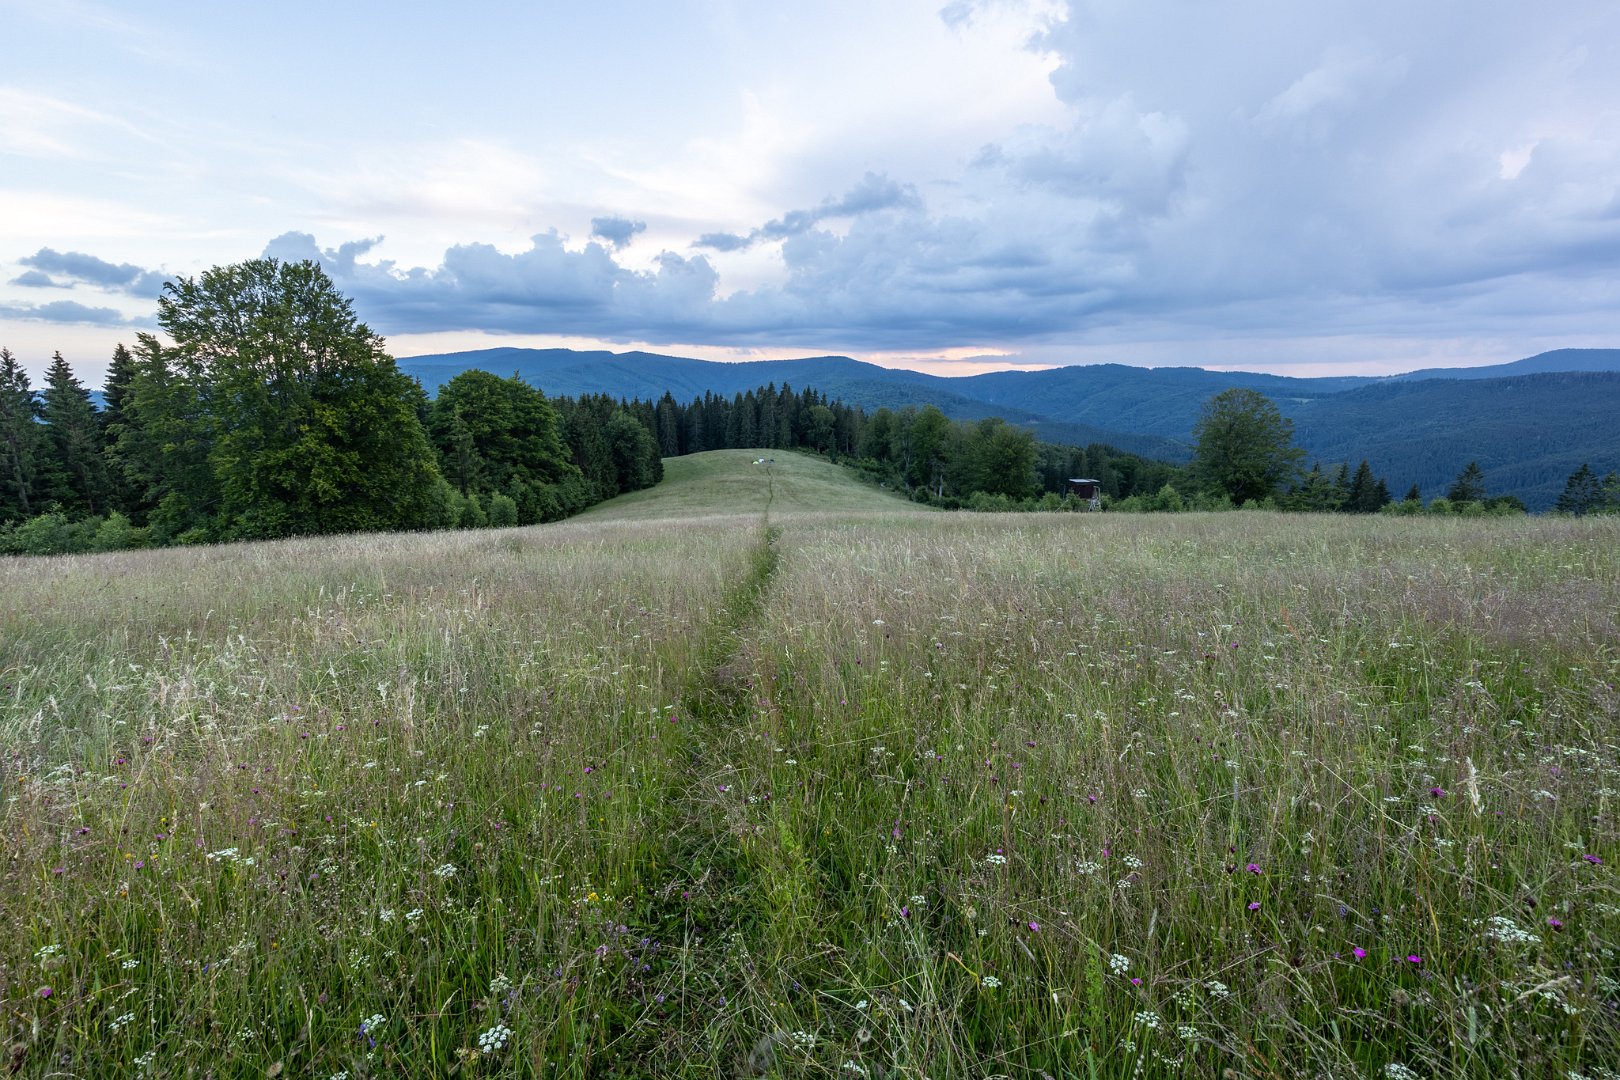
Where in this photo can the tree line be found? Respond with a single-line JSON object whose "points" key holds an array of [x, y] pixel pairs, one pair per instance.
{"points": [[275, 412]]}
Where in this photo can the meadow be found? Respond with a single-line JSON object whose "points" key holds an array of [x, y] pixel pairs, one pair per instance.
{"points": [[763, 773]]}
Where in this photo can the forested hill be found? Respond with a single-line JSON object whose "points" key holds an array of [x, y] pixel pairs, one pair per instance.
{"points": [[1530, 423], [649, 376]]}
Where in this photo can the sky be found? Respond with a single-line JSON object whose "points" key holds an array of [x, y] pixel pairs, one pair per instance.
{"points": [[952, 185]]}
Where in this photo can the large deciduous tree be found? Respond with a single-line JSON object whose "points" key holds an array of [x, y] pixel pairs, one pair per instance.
{"points": [[1245, 445], [315, 429]]}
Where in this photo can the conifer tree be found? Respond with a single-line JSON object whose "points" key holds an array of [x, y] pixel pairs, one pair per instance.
{"points": [[20, 439], [1583, 493], [1469, 485], [76, 475]]}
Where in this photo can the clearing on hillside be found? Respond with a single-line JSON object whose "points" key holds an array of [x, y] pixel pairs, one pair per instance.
{"points": [[738, 482]]}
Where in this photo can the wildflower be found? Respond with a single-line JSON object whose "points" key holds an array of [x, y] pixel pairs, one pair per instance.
{"points": [[1254, 868], [122, 1022], [804, 1039], [372, 1023], [1217, 990], [1593, 859], [989, 982], [1554, 923], [1149, 1020], [1035, 926], [1187, 1031], [1359, 953], [1414, 959], [1118, 964], [1501, 928], [444, 870], [1396, 1071], [996, 860], [1254, 905], [44, 992], [494, 1039]]}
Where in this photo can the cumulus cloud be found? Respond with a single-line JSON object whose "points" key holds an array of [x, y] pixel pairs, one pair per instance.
{"points": [[1240, 171], [90, 270], [617, 231]]}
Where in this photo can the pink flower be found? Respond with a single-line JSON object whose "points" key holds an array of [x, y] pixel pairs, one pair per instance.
{"points": [[1255, 906], [1254, 868], [1035, 926], [1593, 859], [1414, 959], [1359, 953]]}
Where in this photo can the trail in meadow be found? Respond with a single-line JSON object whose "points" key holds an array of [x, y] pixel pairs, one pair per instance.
{"points": [[702, 857]]}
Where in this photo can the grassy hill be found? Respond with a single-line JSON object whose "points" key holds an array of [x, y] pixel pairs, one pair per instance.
{"points": [[729, 482]]}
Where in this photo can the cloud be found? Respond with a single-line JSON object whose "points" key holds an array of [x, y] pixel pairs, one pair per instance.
{"points": [[68, 311], [33, 279], [617, 231], [124, 277], [723, 241], [1241, 172], [872, 194]]}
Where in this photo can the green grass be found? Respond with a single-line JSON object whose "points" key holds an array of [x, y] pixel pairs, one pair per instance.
{"points": [[729, 482], [868, 791]]}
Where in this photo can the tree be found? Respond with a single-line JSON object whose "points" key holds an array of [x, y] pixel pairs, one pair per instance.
{"points": [[20, 439], [1245, 445], [163, 442], [316, 430], [1367, 495], [76, 475], [634, 451], [997, 458], [1583, 493], [1469, 485], [497, 434]]}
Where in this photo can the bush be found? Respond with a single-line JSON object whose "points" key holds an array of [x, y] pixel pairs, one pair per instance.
{"points": [[116, 533], [472, 512], [503, 511]]}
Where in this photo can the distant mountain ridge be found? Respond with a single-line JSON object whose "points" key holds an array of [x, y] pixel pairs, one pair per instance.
{"points": [[1529, 423]]}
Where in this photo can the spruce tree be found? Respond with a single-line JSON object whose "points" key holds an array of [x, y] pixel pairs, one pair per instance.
{"points": [[1469, 485], [20, 439], [1583, 493], [76, 474]]}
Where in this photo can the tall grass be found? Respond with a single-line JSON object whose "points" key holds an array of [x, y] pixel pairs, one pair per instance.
{"points": [[890, 796]]}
